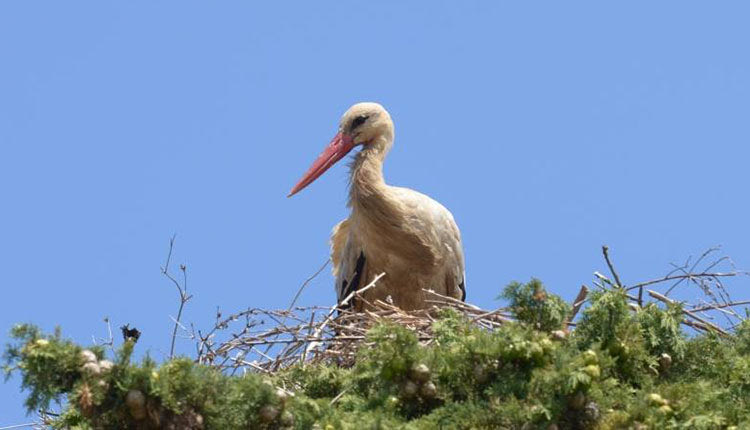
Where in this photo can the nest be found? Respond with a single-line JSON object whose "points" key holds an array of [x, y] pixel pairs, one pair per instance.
{"points": [[330, 335], [266, 341]]}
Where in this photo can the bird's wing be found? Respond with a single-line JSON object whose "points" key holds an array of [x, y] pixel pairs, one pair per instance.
{"points": [[433, 220], [459, 270], [339, 236], [449, 238], [348, 260]]}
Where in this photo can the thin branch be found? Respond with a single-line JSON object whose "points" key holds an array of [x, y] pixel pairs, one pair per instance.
{"points": [[18, 426], [341, 305], [719, 306], [181, 289], [688, 276], [605, 280], [304, 284], [338, 396], [605, 251], [665, 299], [299, 292]]}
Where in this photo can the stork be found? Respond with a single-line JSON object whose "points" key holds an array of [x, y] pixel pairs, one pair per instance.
{"points": [[407, 235]]}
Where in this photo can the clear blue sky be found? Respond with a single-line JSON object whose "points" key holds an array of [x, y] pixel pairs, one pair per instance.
{"points": [[548, 129]]}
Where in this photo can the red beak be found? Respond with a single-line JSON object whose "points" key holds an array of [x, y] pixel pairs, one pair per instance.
{"points": [[340, 145]]}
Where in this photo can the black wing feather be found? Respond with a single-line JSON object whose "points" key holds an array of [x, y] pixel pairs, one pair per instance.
{"points": [[349, 287]]}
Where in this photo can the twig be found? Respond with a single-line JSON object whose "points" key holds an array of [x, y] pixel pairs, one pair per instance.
{"points": [[342, 304], [665, 299], [687, 276], [304, 284], [605, 280], [181, 289], [309, 333], [719, 306], [338, 396], [698, 261], [605, 251], [110, 342], [299, 292], [18, 426], [496, 312], [454, 300]]}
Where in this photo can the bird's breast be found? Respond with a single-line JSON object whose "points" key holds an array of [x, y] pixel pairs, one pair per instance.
{"points": [[396, 241]]}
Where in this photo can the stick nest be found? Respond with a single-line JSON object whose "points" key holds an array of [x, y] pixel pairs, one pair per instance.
{"points": [[272, 340], [316, 334]]}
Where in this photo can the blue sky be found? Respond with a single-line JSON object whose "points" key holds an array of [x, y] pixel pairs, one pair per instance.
{"points": [[548, 129]]}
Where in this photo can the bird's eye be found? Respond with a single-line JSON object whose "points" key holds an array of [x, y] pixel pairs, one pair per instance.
{"points": [[358, 121]]}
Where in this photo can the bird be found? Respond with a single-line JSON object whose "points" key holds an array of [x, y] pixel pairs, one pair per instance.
{"points": [[405, 234]]}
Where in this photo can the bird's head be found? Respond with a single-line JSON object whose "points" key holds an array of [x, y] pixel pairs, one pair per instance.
{"points": [[367, 124]]}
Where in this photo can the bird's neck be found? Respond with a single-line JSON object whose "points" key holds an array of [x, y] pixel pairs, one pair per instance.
{"points": [[379, 214], [368, 186]]}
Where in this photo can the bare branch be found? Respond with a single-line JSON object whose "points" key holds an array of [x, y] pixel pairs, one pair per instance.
{"points": [[18, 426], [307, 281], [605, 251], [687, 276], [718, 306], [665, 299], [181, 289]]}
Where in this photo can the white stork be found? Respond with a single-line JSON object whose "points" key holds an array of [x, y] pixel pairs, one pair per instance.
{"points": [[407, 235]]}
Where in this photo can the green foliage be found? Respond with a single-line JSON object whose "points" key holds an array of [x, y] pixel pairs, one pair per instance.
{"points": [[50, 365], [743, 337], [610, 325], [604, 320], [533, 305], [661, 329], [610, 373]]}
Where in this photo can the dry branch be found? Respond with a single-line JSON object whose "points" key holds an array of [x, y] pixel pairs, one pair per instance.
{"points": [[667, 300], [181, 289], [605, 251], [577, 304]]}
